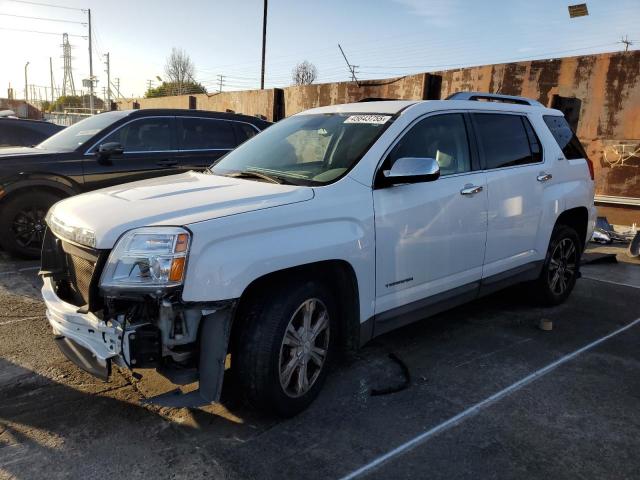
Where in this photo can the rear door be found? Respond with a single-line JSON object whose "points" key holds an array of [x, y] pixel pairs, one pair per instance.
{"points": [[203, 141], [516, 179], [149, 151]]}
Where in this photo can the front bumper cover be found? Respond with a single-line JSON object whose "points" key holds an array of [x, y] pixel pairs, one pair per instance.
{"points": [[85, 339]]}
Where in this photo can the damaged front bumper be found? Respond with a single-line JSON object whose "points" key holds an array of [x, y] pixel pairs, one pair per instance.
{"points": [[93, 344], [84, 338]]}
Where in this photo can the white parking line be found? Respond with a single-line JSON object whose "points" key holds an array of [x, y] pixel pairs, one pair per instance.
{"points": [[475, 409], [18, 320], [609, 281], [26, 269]]}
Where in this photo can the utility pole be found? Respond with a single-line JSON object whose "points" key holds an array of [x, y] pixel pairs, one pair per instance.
{"points": [[26, 84], [51, 76], [108, 71], [90, 65], [264, 43], [149, 84], [352, 68], [627, 42], [220, 82]]}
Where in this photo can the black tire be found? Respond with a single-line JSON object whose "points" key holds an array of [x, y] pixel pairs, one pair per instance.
{"points": [[22, 222], [262, 353], [561, 267]]}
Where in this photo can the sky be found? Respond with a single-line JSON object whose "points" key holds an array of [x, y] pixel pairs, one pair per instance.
{"points": [[384, 38]]}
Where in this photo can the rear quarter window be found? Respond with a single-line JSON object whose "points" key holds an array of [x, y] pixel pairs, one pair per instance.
{"points": [[566, 139]]}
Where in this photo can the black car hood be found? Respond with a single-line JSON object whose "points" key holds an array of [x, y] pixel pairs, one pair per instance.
{"points": [[18, 151]]}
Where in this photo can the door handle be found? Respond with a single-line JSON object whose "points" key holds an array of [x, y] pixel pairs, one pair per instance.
{"points": [[471, 189], [543, 177], [167, 163]]}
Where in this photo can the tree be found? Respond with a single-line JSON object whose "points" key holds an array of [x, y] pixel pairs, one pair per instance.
{"points": [[304, 73], [179, 70], [172, 88]]}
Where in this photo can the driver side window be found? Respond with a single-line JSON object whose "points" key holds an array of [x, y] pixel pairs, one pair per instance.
{"points": [[144, 135], [442, 137]]}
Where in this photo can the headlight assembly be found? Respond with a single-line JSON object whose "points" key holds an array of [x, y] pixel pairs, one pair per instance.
{"points": [[83, 236], [147, 258]]}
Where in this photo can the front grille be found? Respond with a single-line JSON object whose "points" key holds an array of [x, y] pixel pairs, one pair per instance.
{"points": [[75, 271], [81, 272]]}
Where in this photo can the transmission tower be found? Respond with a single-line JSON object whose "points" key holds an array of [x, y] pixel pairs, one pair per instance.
{"points": [[67, 83]]}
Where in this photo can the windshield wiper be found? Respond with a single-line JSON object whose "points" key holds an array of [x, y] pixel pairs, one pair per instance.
{"points": [[254, 174]]}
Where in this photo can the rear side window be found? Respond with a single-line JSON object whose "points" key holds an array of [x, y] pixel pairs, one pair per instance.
{"points": [[206, 134], [567, 140], [506, 140], [244, 131]]}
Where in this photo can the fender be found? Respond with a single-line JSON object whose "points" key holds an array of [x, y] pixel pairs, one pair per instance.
{"points": [[60, 183], [328, 227]]}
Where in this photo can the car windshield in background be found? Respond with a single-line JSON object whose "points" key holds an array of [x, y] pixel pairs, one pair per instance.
{"points": [[72, 137], [305, 149]]}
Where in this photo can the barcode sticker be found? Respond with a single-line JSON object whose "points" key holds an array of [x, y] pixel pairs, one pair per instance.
{"points": [[370, 119]]}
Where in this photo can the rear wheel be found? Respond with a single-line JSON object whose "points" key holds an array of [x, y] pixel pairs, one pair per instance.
{"points": [[561, 267], [286, 347], [22, 222]]}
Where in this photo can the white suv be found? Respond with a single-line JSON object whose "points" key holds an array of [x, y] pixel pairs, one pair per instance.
{"points": [[329, 228]]}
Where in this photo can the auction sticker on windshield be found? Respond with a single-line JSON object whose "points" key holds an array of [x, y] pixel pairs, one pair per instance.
{"points": [[371, 119]]}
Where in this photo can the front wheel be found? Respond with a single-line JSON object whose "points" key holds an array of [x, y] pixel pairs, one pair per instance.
{"points": [[22, 222], [285, 350], [561, 267]]}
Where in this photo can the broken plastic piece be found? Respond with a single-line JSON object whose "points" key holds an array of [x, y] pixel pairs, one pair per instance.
{"points": [[634, 246]]}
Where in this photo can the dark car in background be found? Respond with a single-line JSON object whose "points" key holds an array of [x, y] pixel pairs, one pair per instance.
{"points": [[104, 150], [18, 132]]}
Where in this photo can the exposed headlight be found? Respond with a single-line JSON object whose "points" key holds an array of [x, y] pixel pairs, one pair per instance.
{"points": [[148, 258], [83, 236]]}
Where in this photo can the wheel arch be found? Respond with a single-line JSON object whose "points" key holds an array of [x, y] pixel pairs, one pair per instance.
{"points": [[578, 219], [61, 188], [338, 275]]}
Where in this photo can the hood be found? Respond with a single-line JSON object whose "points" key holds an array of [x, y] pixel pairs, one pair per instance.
{"points": [[174, 200], [19, 151]]}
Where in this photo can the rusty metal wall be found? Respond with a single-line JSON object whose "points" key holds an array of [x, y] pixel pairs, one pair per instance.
{"points": [[304, 97]]}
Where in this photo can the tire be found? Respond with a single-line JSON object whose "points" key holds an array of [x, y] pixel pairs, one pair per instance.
{"points": [[561, 267], [275, 348], [22, 224]]}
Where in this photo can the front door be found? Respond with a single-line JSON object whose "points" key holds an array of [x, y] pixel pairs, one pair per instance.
{"points": [[149, 151], [430, 237]]}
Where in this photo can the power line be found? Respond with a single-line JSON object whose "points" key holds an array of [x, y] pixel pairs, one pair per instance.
{"points": [[38, 31], [42, 18], [47, 5]]}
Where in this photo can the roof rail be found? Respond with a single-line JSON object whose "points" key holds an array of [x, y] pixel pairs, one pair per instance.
{"points": [[494, 97]]}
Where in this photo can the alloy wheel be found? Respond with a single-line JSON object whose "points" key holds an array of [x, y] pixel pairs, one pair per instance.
{"points": [[562, 266], [304, 348], [29, 227]]}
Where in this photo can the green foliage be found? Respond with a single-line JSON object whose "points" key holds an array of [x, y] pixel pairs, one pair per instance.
{"points": [[73, 101], [175, 88]]}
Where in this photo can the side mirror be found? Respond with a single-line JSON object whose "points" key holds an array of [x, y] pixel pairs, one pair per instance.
{"points": [[412, 170], [110, 148]]}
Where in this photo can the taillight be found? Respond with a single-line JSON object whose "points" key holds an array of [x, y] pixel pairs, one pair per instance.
{"points": [[590, 165]]}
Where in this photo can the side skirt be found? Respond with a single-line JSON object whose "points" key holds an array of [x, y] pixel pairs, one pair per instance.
{"points": [[427, 307]]}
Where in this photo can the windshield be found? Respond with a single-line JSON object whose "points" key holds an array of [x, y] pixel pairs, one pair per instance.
{"points": [[72, 137], [306, 149]]}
